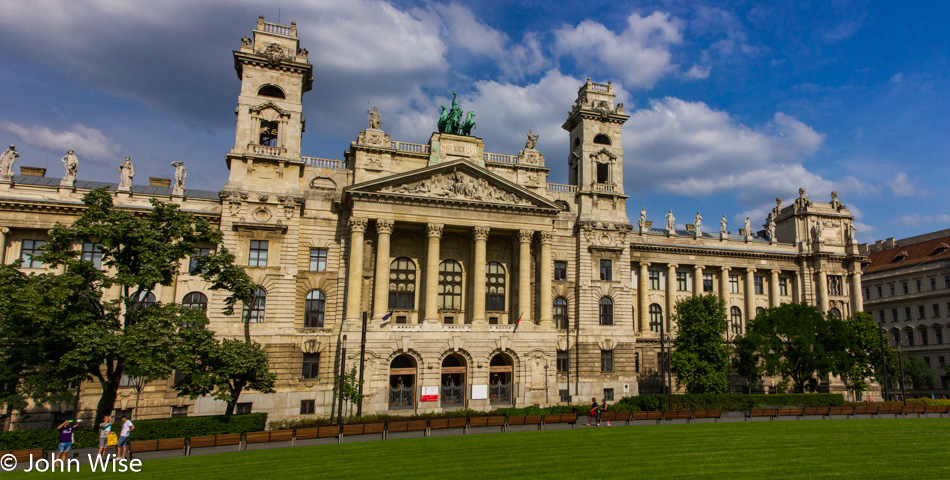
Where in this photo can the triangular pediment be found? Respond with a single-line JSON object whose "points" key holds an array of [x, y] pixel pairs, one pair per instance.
{"points": [[456, 182]]}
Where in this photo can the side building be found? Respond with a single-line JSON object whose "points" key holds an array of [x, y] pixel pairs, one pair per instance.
{"points": [[482, 284], [907, 291]]}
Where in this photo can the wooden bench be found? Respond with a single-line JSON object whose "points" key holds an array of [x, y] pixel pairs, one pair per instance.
{"points": [[256, 437], [395, 427], [533, 420], [438, 424], [714, 414], [281, 435], [417, 426], [329, 432], [306, 433], [517, 420], [790, 412], [762, 412], [915, 409], [143, 446], [355, 429], [678, 415], [227, 439], [616, 417], [496, 421], [865, 410], [22, 456], [655, 416], [941, 409], [890, 410], [203, 441], [374, 428], [570, 418], [840, 411], [816, 411], [458, 422]]}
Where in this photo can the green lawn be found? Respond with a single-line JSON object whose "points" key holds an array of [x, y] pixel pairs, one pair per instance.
{"points": [[905, 448]]}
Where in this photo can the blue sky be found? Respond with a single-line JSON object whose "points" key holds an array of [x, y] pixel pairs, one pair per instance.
{"points": [[731, 103]]}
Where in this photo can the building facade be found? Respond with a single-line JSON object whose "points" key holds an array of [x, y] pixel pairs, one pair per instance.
{"points": [[907, 291], [482, 283]]}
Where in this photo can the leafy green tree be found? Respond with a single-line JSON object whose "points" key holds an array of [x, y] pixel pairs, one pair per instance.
{"points": [[794, 341], [863, 357], [700, 358], [919, 373], [351, 388]]}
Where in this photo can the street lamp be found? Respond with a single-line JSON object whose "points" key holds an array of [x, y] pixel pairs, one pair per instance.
{"points": [[884, 361], [667, 385]]}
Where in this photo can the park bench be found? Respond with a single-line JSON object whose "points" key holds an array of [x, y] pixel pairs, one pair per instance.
{"points": [[458, 422], [438, 424], [256, 437], [329, 432], [395, 427], [533, 420], [762, 412], [714, 414], [22, 456], [790, 412], [355, 429], [655, 416], [374, 429], [306, 433], [678, 415], [281, 435], [890, 410], [840, 411], [496, 421], [570, 418], [417, 426], [812, 411], [616, 417], [206, 441], [915, 409], [941, 409], [865, 410], [516, 420]]}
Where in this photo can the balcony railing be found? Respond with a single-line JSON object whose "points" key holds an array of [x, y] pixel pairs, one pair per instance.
{"points": [[560, 187], [265, 150], [599, 87], [500, 158], [604, 187], [410, 147], [323, 163]]}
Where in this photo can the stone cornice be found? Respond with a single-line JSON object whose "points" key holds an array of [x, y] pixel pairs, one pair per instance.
{"points": [[75, 208], [274, 227], [449, 203]]}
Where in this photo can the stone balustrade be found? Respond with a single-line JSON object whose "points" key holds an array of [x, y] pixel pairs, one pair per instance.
{"points": [[604, 187], [410, 147], [500, 158], [265, 150], [560, 187], [323, 163]]}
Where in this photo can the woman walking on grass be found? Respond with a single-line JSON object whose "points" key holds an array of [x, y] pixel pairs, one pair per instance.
{"points": [[594, 412]]}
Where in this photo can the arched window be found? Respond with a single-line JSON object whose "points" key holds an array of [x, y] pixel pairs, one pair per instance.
{"points": [[402, 382], [453, 381], [450, 285], [656, 317], [560, 313], [255, 312], [735, 320], [315, 307], [601, 139], [606, 311], [271, 91], [500, 371], [834, 311], [759, 311], [402, 284], [145, 299], [494, 287], [195, 301]]}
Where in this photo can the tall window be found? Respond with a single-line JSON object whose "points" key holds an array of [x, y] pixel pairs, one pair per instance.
{"points": [[835, 312], [315, 307], [269, 133], [891, 286], [311, 365], [92, 252], [606, 311], [318, 259], [606, 270], [654, 279], [563, 361], [257, 254], [921, 312], [936, 309], [255, 311], [834, 284], [783, 287], [917, 283], [560, 270], [735, 320], [760, 311], [195, 301], [450, 285], [903, 288], [308, 407], [143, 300], [29, 250], [402, 284], [910, 338], [733, 284], [707, 282], [933, 283], [606, 361], [759, 284], [907, 314], [494, 287], [894, 315], [879, 295], [682, 281], [193, 261], [938, 335], [560, 313], [656, 317], [924, 338]]}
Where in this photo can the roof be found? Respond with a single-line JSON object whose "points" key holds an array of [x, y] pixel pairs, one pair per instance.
{"points": [[908, 254], [712, 235], [90, 185]]}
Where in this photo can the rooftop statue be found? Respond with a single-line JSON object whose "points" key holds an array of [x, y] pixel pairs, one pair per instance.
{"points": [[451, 121], [468, 124], [375, 119], [126, 172], [180, 174], [6, 162], [71, 163], [532, 140]]}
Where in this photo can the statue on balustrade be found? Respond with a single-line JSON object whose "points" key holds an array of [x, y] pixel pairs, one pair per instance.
{"points": [[670, 222], [180, 174], [126, 172], [7, 159], [375, 119], [532, 140], [71, 163]]}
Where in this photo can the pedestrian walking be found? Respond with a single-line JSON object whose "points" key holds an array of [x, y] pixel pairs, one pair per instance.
{"points": [[65, 439], [123, 444], [603, 410], [105, 431], [593, 415]]}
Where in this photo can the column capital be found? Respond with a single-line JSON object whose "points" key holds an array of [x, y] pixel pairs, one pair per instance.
{"points": [[434, 230], [357, 224], [481, 232], [525, 236], [726, 269], [645, 264], [384, 226], [698, 267], [750, 270], [546, 237], [775, 272], [672, 266]]}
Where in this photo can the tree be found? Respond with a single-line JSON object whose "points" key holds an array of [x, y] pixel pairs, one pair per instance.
{"points": [[700, 358], [919, 373], [863, 357], [351, 388], [76, 333], [794, 341]]}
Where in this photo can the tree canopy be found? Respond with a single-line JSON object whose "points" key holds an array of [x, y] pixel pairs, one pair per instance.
{"points": [[700, 358]]}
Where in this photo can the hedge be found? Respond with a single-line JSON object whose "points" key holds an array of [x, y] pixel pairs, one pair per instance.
{"points": [[725, 402], [510, 412], [144, 430]]}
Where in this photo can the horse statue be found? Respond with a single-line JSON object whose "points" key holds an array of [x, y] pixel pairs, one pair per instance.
{"points": [[443, 119], [468, 125], [454, 123]]}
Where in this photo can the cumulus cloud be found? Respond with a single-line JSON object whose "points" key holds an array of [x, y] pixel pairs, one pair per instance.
{"points": [[639, 55], [901, 186], [934, 222], [87, 142], [897, 78], [697, 72]]}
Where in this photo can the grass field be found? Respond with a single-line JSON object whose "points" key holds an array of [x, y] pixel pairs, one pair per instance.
{"points": [[864, 449]]}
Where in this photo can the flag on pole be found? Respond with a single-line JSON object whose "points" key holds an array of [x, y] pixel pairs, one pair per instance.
{"points": [[518, 323], [386, 317]]}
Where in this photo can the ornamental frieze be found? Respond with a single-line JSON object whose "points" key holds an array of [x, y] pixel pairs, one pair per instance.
{"points": [[457, 185]]}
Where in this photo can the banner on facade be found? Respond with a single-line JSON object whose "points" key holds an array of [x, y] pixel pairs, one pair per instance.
{"points": [[479, 392], [430, 394]]}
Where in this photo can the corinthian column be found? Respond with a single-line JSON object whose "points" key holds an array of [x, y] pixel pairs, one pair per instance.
{"points": [[524, 274], [698, 280], [643, 288], [724, 285], [384, 230], [774, 299], [354, 291], [822, 291], [544, 285], [434, 231], [3, 244], [478, 277], [670, 294]]}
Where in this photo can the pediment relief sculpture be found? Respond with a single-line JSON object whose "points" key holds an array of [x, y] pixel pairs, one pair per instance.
{"points": [[457, 185]]}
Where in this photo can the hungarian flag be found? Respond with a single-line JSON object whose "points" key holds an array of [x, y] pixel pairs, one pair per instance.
{"points": [[518, 323]]}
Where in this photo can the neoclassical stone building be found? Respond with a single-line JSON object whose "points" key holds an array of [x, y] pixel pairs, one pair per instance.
{"points": [[444, 246]]}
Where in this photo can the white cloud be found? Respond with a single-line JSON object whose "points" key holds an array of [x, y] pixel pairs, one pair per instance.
{"points": [[462, 29], [897, 78], [639, 55], [697, 72], [87, 142], [933, 222], [901, 186]]}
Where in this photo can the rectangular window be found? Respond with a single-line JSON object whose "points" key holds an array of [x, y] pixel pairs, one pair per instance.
{"points": [[918, 286], [783, 286], [880, 314], [606, 361], [926, 360], [910, 338], [28, 250], [565, 395], [257, 255], [920, 312], [562, 361], [891, 286], [941, 362], [311, 365], [707, 282], [867, 293], [879, 295], [893, 314], [733, 284], [179, 412], [682, 281], [924, 338], [933, 283], [903, 288], [560, 270], [318, 259], [308, 407], [193, 261], [608, 394], [606, 270], [92, 252], [243, 408], [907, 314], [938, 335], [759, 284], [654, 280], [946, 281], [835, 283], [936, 309]]}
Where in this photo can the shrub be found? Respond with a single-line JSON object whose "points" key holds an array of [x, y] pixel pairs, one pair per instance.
{"points": [[48, 440], [727, 402]]}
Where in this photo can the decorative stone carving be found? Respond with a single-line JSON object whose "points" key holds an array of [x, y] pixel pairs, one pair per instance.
{"points": [[263, 197], [817, 231], [722, 228], [546, 237], [274, 53], [180, 174], [290, 205], [642, 223], [697, 225], [670, 223], [588, 231], [126, 172], [374, 161], [71, 164], [748, 228], [778, 207], [460, 186], [357, 224], [481, 233], [262, 214], [852, 231], [532, 140], [7, 158], [246, 41], [802, 201], [771, 228], [434, 229], [375, 119], [525, 236], [384, 226], [835, 203]]}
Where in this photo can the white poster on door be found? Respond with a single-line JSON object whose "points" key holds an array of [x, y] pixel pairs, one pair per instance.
{"points": [[430, 394], [479, 392]]}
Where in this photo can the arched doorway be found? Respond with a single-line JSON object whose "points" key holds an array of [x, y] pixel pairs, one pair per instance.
{"points": [[402, 383], [453, 381], [499, 379]]}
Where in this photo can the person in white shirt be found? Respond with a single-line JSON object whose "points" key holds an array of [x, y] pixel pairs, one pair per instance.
{"points": [[123, 444]]}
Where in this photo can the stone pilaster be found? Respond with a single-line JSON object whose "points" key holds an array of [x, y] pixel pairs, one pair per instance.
{"points": [[643, 288], [697, 280], [544, 284], [354, 291], [857, 301], [478, 275], [749, 297], [434, 232], [384, 230], [524, 274], [670, 295], [822, 291], [3, 244]]}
